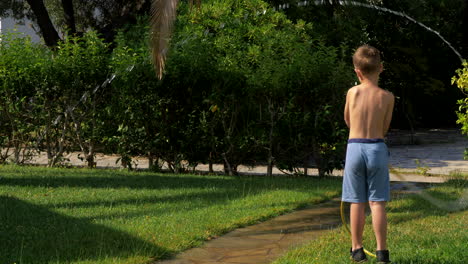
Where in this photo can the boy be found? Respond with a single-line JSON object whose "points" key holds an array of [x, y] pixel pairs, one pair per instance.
{"points": [[368, 112]]}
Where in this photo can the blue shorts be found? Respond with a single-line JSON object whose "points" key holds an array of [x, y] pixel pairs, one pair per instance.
{"points": [[366, 177]]}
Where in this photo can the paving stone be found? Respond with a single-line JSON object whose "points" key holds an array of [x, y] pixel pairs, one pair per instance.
{"points": [[266, 241]]}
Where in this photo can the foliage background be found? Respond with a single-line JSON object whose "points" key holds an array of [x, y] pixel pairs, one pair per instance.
{"points": [[244, 84]]}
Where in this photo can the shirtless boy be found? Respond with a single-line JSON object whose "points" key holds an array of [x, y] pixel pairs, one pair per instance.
{"points": [[367, 113]]}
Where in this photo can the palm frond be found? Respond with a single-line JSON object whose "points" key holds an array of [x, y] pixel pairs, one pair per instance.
{"points": [[162, 21]]}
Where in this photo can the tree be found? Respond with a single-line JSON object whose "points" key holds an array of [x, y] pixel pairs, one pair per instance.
{"points": [[69, 16], [55, 17], [48, 31]]}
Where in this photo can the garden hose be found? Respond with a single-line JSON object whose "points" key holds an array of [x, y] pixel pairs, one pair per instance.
{"points": [[343, 220]]}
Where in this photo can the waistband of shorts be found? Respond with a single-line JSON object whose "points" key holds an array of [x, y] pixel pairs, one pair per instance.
{"points": [[365, 140]]}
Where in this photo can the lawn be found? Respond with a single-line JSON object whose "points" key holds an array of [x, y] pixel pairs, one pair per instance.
{"points": [[419, 231], [111, 216]]}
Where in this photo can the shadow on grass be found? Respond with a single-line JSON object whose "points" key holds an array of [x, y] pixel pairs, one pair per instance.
{"points": [[33, 234], [115, 180], [142, 180], [198, 200]]}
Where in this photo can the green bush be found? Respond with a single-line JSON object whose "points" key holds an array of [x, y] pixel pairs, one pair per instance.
{"points": [[22, 66], [49, 97], [462, 82], [77, 71], [258, 70], [243, 85]]}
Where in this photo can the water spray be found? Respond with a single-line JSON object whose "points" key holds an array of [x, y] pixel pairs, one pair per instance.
{"points": [[70, 108], [370, 6], [85, 95]]}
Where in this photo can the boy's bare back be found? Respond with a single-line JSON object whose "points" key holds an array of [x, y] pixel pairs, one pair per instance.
{"points": [[368, 111]]}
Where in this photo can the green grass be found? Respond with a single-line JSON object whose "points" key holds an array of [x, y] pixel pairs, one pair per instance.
{"points": [[419, 231], [109, 216]]}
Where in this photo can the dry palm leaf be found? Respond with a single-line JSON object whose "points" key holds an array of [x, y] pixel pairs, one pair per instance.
{"points": [[162, 21]]}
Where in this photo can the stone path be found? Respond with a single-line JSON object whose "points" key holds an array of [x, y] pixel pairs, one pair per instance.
{"points": [[437, 158], [265, 242]]}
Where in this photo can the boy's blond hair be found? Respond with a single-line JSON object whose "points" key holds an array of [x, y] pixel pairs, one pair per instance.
{"points": [[367, 59]]}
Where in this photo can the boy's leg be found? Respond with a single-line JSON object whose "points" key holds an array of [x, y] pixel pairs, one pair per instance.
{"points": [[379, 223], [378, 181], [357, 221], [355, 192]]}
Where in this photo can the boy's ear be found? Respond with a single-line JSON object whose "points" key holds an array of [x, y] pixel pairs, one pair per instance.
{"points": [[381, 68], [358, 73]]}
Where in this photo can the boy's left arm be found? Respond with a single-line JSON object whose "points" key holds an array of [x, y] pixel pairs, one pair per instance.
{"points": [[388, 114]]}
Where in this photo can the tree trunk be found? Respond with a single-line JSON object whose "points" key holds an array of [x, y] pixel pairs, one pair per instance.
{"points": [[90, 160], [69, 16], [48, 31], [273, 114], [270, 144], [306, 165], [270, 150], [210, 163], [59, 147], [318, 158], [227, 166], [150, 161]]}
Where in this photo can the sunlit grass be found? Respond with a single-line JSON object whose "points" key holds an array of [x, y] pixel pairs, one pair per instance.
{"points": [[419, 232], [110, 216]]}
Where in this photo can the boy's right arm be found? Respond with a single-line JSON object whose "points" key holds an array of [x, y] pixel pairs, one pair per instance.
{"points": [[346, 110]]}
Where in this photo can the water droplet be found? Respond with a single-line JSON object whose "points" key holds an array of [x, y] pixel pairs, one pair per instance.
{"points": [[57, 120], [112, 77]]}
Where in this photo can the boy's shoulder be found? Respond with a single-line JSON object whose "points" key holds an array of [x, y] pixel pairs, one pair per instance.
{"points": [[353, 89], [357, 89], [387, 93]]}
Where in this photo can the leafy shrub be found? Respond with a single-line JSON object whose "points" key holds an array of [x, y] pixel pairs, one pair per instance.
{"points": [[49, 97], [22, 66], [257, 69], [243, 85], [462, 82]]}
